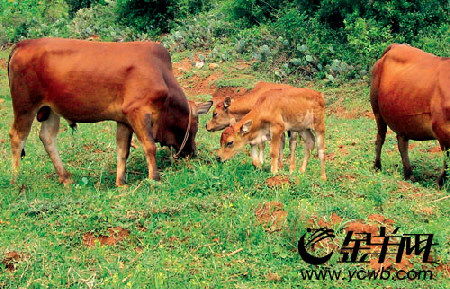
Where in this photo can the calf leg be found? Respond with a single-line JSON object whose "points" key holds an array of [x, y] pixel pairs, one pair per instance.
{"points": [[123, 140], [320, 136], [402, 144], [18, 134], [275, 144], [381, 137], [280, 158], [261, 147], [256, 156], [141, 124], [308, 137], [49, 130], [292, 146]]}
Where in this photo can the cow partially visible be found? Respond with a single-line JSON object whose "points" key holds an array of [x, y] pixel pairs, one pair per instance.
{"points": [[410, 93], [129, 83], [299, 110]]}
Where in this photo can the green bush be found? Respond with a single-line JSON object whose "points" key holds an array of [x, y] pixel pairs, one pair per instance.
{"points": [[75, 5], [157, 16]]}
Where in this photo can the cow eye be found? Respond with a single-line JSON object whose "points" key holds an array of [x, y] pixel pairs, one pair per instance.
{"points": [[215, 114], [229, 144]]}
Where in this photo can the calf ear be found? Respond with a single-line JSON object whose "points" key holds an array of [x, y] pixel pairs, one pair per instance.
{"points": [[227, 102], [203, 108], [246, 126]]}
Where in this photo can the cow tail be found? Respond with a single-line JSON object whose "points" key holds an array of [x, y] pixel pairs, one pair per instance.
{"points": [[9, 60]]}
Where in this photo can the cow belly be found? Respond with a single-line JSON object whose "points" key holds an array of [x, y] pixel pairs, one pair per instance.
{"points": [[414, 127]]}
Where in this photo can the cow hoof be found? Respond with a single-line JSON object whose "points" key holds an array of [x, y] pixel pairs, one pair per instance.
{"points": [[323, 177], [66, 181]]}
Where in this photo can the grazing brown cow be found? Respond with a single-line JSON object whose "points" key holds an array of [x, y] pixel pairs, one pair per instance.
{"points": [[297, 109], [82, 81], [410, 93]]}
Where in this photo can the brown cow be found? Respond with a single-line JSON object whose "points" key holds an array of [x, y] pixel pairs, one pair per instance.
{"points": [[410, 93], [82, 81], [297, 109]]}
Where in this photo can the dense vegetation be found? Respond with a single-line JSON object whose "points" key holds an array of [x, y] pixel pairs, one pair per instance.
{"points": [[331, 39]]}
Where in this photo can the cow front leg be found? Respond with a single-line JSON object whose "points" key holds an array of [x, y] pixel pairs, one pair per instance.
{"points": [[282, 143], [48, 133], [275, 144], [142, 126], [123, 139], [308, 138], [402, 144], [255, 155]]}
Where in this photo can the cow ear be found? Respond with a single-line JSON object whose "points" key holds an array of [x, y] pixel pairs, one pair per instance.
{"points": [[227, 102], [203, 108], [246, 126]]}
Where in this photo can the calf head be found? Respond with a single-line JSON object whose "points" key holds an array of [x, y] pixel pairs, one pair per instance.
{"points": [[221, 117], [235, 137]]}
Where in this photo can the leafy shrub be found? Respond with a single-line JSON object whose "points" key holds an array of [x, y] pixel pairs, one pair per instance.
{"points": [[99, 20], [157, 16], [75, 5]]}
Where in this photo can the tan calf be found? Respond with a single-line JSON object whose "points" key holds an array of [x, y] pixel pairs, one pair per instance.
{"points": [[231, 110], [299, 110]]}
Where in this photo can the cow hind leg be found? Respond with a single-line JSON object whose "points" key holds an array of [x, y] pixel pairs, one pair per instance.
{"points": [[402, 144], [282, 143], [308, 137], [48, 133], [443, 176], [381, 137], [275, 144], [320, 138], [18, 134], [255, 155], [292, 147], [123, 139]]}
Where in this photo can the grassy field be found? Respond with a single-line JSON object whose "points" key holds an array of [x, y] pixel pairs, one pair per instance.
{"points": [[198, 227]]}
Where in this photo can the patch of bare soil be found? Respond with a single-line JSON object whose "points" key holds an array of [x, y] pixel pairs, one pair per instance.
{"points": [[445, 269], [181, 67], [277, 181], [435, 149], [116, 235], [342, 112], [11, 259], [271, 216], [222, 92]]}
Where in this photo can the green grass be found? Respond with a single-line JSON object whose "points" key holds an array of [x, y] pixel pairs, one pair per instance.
{"points": [[184, 228]]}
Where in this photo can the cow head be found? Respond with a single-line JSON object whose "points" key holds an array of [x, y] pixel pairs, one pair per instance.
{"points": [[234, 138], [221, 117], [179, 125]]}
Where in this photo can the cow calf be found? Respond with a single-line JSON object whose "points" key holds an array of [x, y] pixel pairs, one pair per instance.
{"points": [[297, 110]]}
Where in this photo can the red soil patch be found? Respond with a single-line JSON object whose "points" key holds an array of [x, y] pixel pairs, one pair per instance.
{"points": [[271, 216], [344, 113], [436, 149], [222, 92], [444, 268], [11, 259], [179, 68], [276, 181], [116, 235]]}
